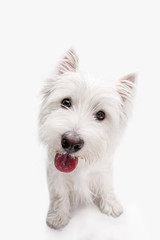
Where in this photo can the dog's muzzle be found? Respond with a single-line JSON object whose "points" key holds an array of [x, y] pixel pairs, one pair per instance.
{"points": [[71, 142]]}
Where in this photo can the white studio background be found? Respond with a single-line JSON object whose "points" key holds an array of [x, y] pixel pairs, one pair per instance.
{"points": [[113, 38]]}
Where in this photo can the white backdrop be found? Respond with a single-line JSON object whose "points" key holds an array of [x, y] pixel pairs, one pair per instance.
{"points": [[112, 38]]}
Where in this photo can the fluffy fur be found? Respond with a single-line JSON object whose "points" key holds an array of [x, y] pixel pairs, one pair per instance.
{"points": [[92, 180]]}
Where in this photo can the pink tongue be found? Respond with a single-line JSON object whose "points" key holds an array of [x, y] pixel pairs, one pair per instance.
{"points": [[65, 163]]}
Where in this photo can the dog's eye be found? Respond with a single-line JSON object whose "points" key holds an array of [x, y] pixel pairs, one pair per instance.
{"points": [[100, 115], [66, 103]]}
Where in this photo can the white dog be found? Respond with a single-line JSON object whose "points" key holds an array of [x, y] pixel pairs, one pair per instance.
{"points": [[81, 121]]}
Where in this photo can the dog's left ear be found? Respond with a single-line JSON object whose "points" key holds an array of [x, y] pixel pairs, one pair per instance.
{"points": [[126, 87], [69, 63]]}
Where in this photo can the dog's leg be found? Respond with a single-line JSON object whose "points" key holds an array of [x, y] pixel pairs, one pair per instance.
{"points": [[105, 197], [109, 205], [58, 213], [59, 210]]}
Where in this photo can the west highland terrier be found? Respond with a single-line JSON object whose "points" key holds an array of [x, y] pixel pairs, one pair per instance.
{"points": [[81, 122]]}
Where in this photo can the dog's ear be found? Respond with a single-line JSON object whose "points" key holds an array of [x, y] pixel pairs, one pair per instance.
{"points": [[126, 87], [69, 63]]}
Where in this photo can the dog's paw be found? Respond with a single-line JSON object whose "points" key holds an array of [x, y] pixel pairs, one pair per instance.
{"points": [[56, 219], [112, 207]]}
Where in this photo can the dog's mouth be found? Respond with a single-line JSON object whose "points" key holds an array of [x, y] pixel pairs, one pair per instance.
{"points": [[65, 162]]}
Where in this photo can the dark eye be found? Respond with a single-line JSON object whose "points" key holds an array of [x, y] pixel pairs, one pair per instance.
{"points": [[66, 103], [100, 115]]}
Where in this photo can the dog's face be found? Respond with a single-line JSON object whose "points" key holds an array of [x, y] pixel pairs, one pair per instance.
{"points": [[81, 118]]}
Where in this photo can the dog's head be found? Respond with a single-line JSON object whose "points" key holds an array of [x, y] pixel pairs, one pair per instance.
{"points": [[82, 118]]}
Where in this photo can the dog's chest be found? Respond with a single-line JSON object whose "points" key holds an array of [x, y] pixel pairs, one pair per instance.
{"points": [[83, 185]]}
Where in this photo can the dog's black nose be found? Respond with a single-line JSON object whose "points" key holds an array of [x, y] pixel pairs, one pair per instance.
{"points": [[71, 142]]}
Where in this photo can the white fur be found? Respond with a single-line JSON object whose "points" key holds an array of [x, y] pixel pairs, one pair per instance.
{"points": [[92, 180]]}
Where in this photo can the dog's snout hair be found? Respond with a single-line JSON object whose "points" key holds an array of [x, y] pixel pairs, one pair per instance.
{"points": [[71, 142]]}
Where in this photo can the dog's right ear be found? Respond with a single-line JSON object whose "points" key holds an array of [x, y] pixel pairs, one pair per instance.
{"points": [[69, 63]]}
